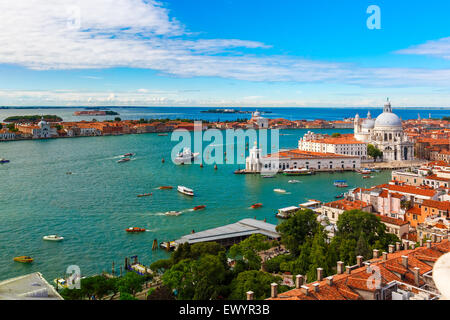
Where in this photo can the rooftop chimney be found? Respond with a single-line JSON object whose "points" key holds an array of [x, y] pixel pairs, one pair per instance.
{"points": [[376, 253], [348, 269], [433, 237], [421, 242], [316, 287], [398, 246], [405, 261], [298, 281], [385, 255], [340, 267], [391, 248], [330, 280], [319, 274], [249, 295], [305, 290], [417, 276], [359, 260], [368, 269], [429, 244], [273, 290]]}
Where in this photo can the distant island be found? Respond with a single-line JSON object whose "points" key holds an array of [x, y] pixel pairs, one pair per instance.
{"points": [[34, 118], [95, 113], [230, 111]]}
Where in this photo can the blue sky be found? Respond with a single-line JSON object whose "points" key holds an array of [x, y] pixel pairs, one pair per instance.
{"points": [[224, 53]]}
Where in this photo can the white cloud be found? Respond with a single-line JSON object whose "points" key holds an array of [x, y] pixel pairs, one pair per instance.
{"points": [[436, 48], [100, 98], [39, 34]]}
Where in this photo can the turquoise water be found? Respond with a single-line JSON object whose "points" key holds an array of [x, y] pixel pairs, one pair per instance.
{"points": [[92, 207]]}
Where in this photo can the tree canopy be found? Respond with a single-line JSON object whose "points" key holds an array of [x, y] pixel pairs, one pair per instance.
{"points": [[297, 229], [374, 152]]}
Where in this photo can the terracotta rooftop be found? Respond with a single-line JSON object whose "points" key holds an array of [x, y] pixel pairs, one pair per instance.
{"points": [[352, 286]]}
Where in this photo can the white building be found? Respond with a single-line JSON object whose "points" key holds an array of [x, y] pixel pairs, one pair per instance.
{"points": [[258, 121], [5, 134], [385, 133], [295, 159], [42, 130], [345, 144]]}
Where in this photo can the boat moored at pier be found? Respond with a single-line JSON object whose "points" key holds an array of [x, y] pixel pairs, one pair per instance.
{"points": [[297, 172], [287, 212]]}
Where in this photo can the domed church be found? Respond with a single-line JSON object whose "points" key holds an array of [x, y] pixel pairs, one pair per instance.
{"points": [[385, 133]]}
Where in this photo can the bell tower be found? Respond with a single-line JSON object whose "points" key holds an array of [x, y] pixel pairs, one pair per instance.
{"points": [[387, 106]]}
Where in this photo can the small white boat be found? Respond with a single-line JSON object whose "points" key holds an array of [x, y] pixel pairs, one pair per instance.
{"points": [[124, 160], [53, 237], [294, 181], [173, 213], [279, 190], [186, 191], [185, 157]]}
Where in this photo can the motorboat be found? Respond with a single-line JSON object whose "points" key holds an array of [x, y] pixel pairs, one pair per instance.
{"points": [[124, 160], [186, 191], [128, 155], [365, 171], [186, 156], [256, 205], [340, 183], [135, 229], [199, 207], [339, 196], [367, 177], [144, 195], [294, 181], [165, 188], [297, 172], [24, 259], [173, 213], [53, 237], [162, 134], [4, 160], [279, 190]]}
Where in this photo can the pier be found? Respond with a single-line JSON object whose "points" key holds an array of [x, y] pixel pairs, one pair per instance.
{"points": [[232, 233]]}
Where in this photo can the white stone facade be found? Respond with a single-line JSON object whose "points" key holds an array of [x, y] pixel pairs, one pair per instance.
{"points": [[385, 133]]}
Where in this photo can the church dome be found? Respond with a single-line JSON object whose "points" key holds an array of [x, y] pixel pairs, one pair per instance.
{"points": [[388, 119], [368, 124]]}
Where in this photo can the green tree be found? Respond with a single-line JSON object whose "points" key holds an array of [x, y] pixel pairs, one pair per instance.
{"points": [[257, 281], [127, 296], [130, 283], [374, 152], [161, 293], [297, 229], [248, 249], [161, 265], [117, 119], [318, 256], [359, 233], [336, 135], [196, 279]]}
